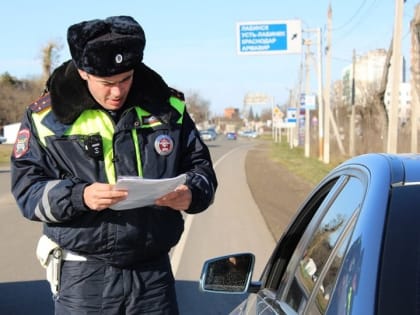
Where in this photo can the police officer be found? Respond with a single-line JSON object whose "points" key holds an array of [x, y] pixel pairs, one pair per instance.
{"points": [[104, 114]]}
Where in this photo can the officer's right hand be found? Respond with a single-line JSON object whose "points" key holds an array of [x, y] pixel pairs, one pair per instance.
{"points": [[99, 196]]}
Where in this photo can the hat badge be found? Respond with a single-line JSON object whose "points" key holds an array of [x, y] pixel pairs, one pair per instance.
{"points": [[164, 145], [118, 58]]}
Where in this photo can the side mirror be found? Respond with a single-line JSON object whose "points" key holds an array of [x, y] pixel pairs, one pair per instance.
{"points": [[227, 274]]}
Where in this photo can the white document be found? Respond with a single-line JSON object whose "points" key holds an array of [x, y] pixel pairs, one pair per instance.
{"points": [[143, 192]]}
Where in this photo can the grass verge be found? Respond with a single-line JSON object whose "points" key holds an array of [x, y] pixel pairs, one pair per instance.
{"points": [[310, 169]]}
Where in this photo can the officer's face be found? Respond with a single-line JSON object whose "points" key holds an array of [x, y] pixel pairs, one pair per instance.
{"points": [[110, 92]]}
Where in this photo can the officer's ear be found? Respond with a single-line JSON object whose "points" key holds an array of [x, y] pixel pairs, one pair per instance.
{"points": [[83, 74]]}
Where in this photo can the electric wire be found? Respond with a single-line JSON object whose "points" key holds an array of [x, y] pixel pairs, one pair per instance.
{"points": [[351, 18]]}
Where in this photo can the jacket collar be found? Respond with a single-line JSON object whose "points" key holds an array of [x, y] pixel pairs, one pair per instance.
{"points": [[70, 95]]}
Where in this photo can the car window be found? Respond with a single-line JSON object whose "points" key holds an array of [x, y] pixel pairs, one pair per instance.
{"points": [[314, 265], [281, 256]]}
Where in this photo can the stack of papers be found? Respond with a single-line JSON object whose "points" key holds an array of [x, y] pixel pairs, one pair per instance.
{"points": [[143, 192]]}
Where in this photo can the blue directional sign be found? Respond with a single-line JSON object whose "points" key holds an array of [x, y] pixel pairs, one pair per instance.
{"points": [[269, 37], [291, 115]]}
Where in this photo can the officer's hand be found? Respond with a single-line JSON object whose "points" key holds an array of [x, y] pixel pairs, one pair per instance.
{"points": [[99, 196], [179, 199]]}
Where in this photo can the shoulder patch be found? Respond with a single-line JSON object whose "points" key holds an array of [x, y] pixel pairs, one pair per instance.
{"points": [[42, 103], [177, 94], [22, 143]]}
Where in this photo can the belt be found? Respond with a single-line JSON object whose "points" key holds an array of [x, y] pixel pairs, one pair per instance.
{"points": [[72, 256]]}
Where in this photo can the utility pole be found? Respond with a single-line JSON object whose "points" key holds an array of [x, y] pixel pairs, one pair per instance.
{"points": [[329, 118], [396, 79], [320, 95], [307, 91], [320, 99], [415, 77], [290, 131], [327, 89], [353, 105], [297, 102]]}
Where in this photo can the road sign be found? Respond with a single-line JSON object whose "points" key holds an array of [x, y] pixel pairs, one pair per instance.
{"points": [[291, 115], [269, 37], [308, 101], [302, 99], [256, 99], [277, 114]]}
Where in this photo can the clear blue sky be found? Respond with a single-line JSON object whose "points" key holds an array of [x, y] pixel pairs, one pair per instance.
{"points": [[192, 44]]}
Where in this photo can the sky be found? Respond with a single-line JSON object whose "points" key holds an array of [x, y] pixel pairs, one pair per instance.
{"points": [[193, 44]]}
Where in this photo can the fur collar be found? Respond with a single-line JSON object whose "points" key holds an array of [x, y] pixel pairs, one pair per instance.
{"points": [[70, 95]]}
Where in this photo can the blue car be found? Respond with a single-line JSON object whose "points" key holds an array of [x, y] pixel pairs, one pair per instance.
{"points": [[231, 136], [352, 248]]}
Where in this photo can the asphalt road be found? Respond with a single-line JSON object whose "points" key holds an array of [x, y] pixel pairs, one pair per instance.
{"points": [[232, 224], [249, 213]]}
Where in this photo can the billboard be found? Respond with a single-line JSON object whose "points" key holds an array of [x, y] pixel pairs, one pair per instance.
{"points": [[269, 37]]}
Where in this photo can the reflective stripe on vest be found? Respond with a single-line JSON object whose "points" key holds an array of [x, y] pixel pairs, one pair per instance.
{"points": [[179, 106], [175, 103], [91, 121], [42, 130], [96, 121]]}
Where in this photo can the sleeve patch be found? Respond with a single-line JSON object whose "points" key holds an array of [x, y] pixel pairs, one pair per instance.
{"points": [[22, 143]]}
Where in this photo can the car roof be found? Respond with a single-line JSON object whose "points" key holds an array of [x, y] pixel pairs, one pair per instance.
{"points": [[403, 168], [394, 181]]}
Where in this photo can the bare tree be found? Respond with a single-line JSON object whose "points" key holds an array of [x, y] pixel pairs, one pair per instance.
{"points": [[15, 96], [371, 122], [198, 107], [50, 56]]}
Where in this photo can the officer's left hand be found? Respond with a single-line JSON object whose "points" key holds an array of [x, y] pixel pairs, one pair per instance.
{"points": [[179, 199]]}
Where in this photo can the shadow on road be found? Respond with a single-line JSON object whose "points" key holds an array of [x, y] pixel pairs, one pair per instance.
{"points": [[34, 297]]}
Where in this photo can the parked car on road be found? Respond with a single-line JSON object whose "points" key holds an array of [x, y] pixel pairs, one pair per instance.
{"points": [[249, 134], [2, 139], [352, 247], [207, 135]]}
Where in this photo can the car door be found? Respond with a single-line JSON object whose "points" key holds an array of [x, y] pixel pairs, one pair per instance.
{"points": [[303, 269]]}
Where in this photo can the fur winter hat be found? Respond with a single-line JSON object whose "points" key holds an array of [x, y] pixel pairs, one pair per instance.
{"points": [[106, 47]]}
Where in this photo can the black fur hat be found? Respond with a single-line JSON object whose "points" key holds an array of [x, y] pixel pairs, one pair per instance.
{"points": [[106, 47]]}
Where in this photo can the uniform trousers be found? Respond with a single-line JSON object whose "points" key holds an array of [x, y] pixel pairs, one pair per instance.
{"points": [[92, 287]]}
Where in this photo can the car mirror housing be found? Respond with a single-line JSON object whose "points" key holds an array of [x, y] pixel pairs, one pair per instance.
{"points": [[227, 274]]}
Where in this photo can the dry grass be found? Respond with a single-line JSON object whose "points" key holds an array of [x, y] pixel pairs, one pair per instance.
{"points": [[310, 169], [5, 152]]}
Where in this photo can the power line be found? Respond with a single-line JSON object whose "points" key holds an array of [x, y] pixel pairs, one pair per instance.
{"points": [[361, 18], [351, 18]]}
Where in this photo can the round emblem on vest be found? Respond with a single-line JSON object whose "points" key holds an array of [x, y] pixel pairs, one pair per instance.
{"points": [[118, 58], [164, 145]]}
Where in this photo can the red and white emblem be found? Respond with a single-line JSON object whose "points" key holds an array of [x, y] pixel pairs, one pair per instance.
{"points": [[164, 145], [22, 143]]}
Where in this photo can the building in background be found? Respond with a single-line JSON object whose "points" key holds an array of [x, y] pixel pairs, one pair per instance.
{"points": [[367, 80], [231, 113], [10, 132]]}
